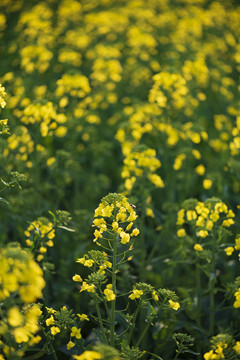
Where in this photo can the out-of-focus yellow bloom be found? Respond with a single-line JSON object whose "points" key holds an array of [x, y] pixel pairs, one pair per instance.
{"points": [[198, 247], [174, 305]]}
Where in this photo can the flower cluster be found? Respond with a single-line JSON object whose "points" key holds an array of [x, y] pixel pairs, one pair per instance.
{"points": [[100, 265], [57, 321], [170, 88], [3, 123], [204, 218], [115, 215], [223, 347], [40, 235], [20, 146], [75, 86], [163, 298], [141, 164], [20, 276], [114, 219], [50, 122], [2, 96]]}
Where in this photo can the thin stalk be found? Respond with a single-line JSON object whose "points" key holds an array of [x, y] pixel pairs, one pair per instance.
{"points": [[141, 242], [176, 356], [198, 315], [198, 288], [53, 352], [113, 304], [143, 334], [101, 322], [50, 346], [133, 324], [212, 286]]}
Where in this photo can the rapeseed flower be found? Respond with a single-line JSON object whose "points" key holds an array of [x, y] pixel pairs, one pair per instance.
{"points": [[55, 330], [198, 247], [135, 294], [88, 355], [76, 332], [70, 345], [174, 305], [109, 293]]}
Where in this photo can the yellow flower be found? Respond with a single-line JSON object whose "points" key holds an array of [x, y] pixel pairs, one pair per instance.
{"points": [[97, 235], [228, 222], [149, 212], [114, 225], [229, 250], [208, 355], [132, 216], [155, 296], [83, 317], [237, 347], [35, 340], [135, 294], [200, 169], [125, 237], [77, 278], [50, 321], [129, 226], [76, 332], [85, 262], [88, 288], [174, 305], [70, 345], [181, 233], [230, 213], [61, 131], [237, 241], [135, 232], [180, 217], [55, 330], [214, 217], [21, 334], [156, 180], [203, 233], [88, 355], [191, 215], [198, 247], [51, 161], [40, 257], [196, 154], [109, 293], [49, 243], [209, 225], [14, 316], [207, 184], [29, 242]]}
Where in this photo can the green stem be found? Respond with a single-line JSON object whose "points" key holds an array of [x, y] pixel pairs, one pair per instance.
{"points": [[198, 288], [143, 334], [114, 268], [198, 315], [212, 288], [53, 352], [49, 344], [133, 324], [141, 242], [100, 321], [176, 356]]}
